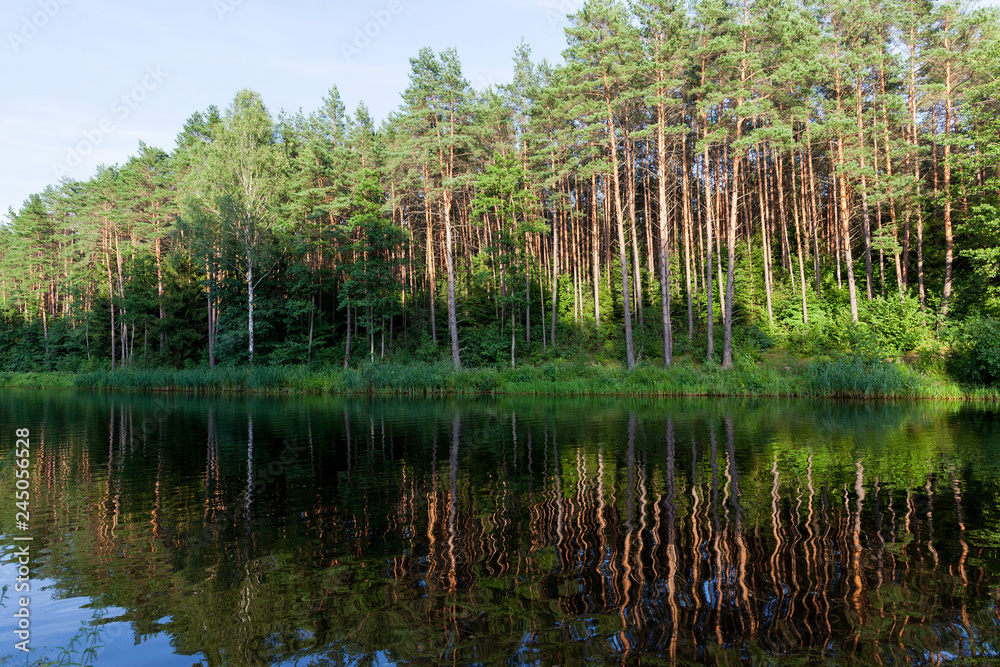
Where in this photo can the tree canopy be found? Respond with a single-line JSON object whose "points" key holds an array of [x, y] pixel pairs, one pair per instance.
{"points": [[795, 172]]}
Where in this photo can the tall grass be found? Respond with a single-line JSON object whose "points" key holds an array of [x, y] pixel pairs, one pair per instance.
{"points": [[859, 377], [853, 376], [843, 377], [46, 380], [250, 379]]}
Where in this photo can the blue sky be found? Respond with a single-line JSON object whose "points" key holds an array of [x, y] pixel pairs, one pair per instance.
{"points": [[85, 80]]}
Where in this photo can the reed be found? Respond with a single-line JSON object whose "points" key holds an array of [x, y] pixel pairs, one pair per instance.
{"points": [[853, 376], [842, 377]]}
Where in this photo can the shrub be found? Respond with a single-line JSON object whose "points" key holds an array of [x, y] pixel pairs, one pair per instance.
{"points": [[823, 335], [751, 338], [487, 346], [426, 351], [897, 324], [930, 357], [975, 352]]}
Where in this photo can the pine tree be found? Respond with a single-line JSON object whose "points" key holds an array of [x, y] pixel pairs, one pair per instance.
{"points": [[950, 43], [602, 47], [666, 38], [502, 195], [978, 171], [148, 182], [439, 110], [372, 286]]}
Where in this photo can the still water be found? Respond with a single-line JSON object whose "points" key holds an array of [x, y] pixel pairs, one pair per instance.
{"points": [[174, 530]]}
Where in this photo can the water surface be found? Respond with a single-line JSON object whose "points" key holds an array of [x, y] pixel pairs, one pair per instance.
{"points": [[312, 531]]}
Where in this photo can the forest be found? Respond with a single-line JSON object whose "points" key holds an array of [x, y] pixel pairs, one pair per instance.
{"points": [[698, 183]]}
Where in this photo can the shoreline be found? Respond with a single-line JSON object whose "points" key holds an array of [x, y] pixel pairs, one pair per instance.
{"points": [[841, 378]]}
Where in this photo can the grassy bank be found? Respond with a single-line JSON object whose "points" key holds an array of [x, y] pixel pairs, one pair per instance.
{"points": [[40, 380], [844, 377]]}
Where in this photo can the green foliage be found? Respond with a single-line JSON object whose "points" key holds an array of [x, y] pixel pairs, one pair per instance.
{"points": [[980, 232], [887, 326], [57, 380], [426, 350], [823, 335], [371, 285], [84, 647], [975, 352], [503, 269], [897, 325], [751, 338], [486, 346], [257, 234]]}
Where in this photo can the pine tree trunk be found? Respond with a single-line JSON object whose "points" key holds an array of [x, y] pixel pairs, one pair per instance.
{"points": [[619, 216], [844, 235], [431, 278], [541, 304], [727, 344], [845, 209], [799, 224], [661, 154], [347, 346], [917, 182], [512, 328], [887, 149], [555, 266], [949, 240], [595, 245], [779, 194], [686, 226], [527, 300], [814, 211], [710, 351], [717, 230], [766, 243], [312, 317], [159, 292], [865, 217], [111, 299], [450, 261], [845, 232], [630, 199]]}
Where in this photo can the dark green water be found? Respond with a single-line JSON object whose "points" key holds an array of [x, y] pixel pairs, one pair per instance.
{"points": [[179, 530]]}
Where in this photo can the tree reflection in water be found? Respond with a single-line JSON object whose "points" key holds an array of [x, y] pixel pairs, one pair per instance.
{"points": [[522, 531]]}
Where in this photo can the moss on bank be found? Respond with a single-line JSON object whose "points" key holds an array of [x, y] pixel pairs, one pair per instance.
{"points": [[843, 377]]}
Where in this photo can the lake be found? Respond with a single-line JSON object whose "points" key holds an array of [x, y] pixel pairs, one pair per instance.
{"points": [[181, 530]]}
